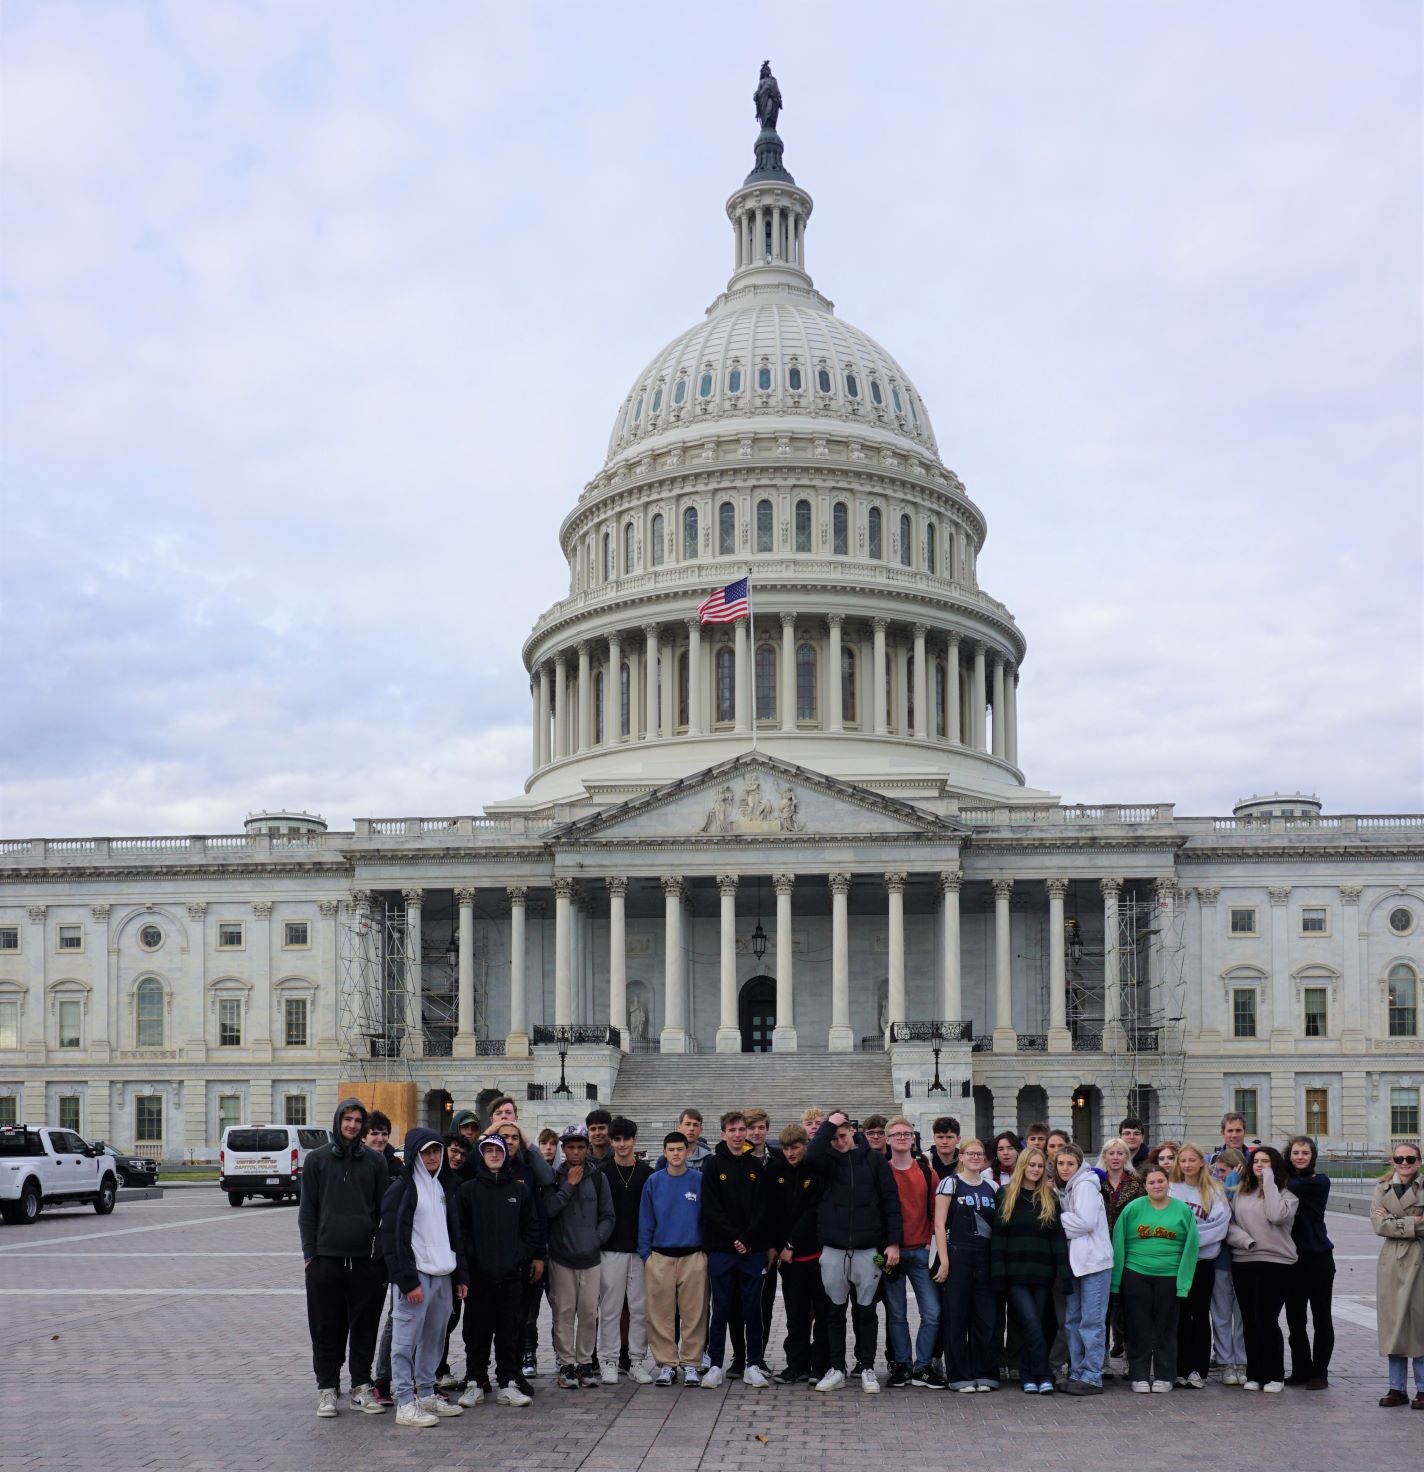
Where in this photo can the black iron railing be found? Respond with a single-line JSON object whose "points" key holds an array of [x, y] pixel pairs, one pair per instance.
{"points": [[544, 1035], [1032, 1042], [931, 1032]]}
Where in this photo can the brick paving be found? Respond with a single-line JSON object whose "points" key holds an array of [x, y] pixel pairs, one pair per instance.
{"points": [[173, 1334]]}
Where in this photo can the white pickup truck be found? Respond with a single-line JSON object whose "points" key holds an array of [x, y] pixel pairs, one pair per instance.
{"points": [[40, 1166]]}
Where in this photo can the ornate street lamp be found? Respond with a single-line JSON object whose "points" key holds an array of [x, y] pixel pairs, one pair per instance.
{"points": [[758, 935]]}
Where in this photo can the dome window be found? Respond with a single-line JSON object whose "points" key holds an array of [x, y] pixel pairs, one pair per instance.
{"points": [[930, 549], [765, 526], [704, 389], [895, 398], [658, 399], [734, 381], [793, 380], [874, 533], [763, 379], [689, 534], [679, 392], [875, 394], [726, 529], [914, 413], [658, 540], [906, 560], [803, 526], [840, 534], [852, 387], [638, 409], [823, 381]]}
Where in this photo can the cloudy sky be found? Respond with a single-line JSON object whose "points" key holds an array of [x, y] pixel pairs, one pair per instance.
{"points": [[315, 317]]}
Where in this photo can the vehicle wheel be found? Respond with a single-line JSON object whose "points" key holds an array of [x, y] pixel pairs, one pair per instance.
{"points": [[104, 1201], [235, 1198], [30, 1204]]}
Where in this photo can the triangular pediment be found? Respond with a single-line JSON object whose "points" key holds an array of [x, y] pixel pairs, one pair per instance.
{"points": [[757, 796]]}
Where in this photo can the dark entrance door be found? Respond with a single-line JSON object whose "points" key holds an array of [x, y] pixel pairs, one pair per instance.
{"points": [[757, 1014]]}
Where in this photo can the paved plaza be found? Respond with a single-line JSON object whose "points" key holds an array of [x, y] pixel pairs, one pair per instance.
{"points": [[173, 1334]]}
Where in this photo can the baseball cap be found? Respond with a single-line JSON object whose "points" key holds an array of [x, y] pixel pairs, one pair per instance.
{"points": [[574, 1131]]}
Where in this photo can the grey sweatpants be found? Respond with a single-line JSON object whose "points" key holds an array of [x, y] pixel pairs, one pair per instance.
{"points": [[418, 1338], [621, 1276], [841, 1268], [1228, 1334]]}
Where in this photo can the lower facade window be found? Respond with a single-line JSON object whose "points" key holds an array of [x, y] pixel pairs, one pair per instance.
{"points": [[1404, 1113], [229, 1112], [1315, 1012], [1403, 1002], [1243, 1013], [1317, 1112], [230, 1023], [294, 1013], [148, 1120], [9, 1025], [9, 1109], [70, 1018], [294, 1109], [1243, 1101], [69, 1112]]}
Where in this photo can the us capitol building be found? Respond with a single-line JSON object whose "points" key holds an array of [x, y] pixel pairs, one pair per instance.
{"points": [[809, 835]]}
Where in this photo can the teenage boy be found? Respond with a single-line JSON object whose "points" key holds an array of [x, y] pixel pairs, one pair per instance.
{"points": [[599, 1150], [580, 1221], [734, 1234], [466, 1124], [944, 1153], [549, 1146], [916, 1183], [499, 1233], [621, 1269], [378, 1138], [1036, 1136], [457, 1151], [1134, 1136], [420, 1236], [795, 1195], [858, 1216], [873, 1128], [670, 1244], [759, 1145], [343, 1184]]}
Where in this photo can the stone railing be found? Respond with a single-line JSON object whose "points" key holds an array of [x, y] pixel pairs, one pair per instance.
{"points": [[455, 828], [1116, 815], [165, 848], [1368, 825]]}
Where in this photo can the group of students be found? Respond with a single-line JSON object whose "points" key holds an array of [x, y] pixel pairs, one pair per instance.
{"points": [[1026, 1261]]}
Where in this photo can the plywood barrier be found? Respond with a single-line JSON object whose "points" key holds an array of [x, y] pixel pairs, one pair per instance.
{"points": [[394, 1099]]}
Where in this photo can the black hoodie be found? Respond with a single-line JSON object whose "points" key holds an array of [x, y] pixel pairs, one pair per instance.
{"points": [[795, 1197], [735, 1201], [499, 1227], [342, 1187]]}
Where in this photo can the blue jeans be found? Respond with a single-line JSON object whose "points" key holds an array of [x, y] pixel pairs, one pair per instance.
{"points": [[1087, 1326], [1399, 1371], [1028, 1304], [914, 1266]]}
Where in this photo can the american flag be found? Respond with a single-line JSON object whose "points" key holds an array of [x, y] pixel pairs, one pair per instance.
{"points": [[726, 605]]}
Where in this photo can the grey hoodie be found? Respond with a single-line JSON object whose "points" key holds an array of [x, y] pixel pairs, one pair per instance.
{"points": [[581, 1218]]}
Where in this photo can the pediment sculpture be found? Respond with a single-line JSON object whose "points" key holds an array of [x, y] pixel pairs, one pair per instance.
{"points": [[752, 811]]}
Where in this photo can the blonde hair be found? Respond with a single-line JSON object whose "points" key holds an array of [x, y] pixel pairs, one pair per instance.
{"points": [[898, 1119], [1206, 1184], [1121, 1145], [807, 1115], [1391, 1168], [1043, 1191]]}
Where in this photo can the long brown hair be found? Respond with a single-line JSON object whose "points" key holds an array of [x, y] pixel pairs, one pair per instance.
{"points": [[1043, 1191]]}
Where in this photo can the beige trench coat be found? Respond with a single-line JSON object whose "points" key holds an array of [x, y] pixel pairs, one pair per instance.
{"points": [[1399, 1280]]}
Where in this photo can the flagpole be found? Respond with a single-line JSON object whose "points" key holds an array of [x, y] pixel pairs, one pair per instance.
{"points": [[751, 658]]}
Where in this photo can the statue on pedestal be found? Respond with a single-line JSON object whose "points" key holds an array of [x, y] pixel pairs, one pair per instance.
{"points": [[767, 98]]}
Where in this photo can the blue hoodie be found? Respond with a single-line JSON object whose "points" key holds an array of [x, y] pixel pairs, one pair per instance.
{"points": [[669, 1217]]}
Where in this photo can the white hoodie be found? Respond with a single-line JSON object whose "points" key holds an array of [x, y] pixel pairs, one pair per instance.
{"points": [[1085, 1220]]}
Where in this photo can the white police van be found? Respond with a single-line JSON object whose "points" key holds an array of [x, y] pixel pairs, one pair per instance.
{"points": [[265, 1160]]}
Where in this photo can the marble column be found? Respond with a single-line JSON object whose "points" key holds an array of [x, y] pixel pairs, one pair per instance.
{"points": [[1112, 965], [788, 671], [1011, 715], [835, 711], [563, 953], [617, 956], [977, 699], [895, 892], [694, 677], [783, 1037], [613, 692], [951, 996], [1005, 1033], [414, 980], [741, 704], [999, 721], [544, 713], [922, 686], [561, 707], [840, 1039], [878, 721], [464, 1043], [585, 701], [674, 1033], [650, 671], [901, 657], [729, 1034], [534, 722], [1060, 1040], [516, 1043], [951, 694]]}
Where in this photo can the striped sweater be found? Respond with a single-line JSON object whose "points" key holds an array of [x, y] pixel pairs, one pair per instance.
{"points": [[1024, 1250]]}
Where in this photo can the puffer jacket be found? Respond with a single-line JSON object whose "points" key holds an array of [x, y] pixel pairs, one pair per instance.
{"points": [[860, 1203], [1085, 1220], [580, 1218], [499, 1228], [342, 1188]]}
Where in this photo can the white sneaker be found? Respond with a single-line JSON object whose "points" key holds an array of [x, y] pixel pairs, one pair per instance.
{"points": [[1240, 1375], [712, 1378], [432, 1405], [1229, 1376], [363, 1398], [689, 1376], [706, 1363], [326, 1403], [1195, 1380], [448, 1381], [511, 1395], [869, 1383], [1250, 1385], [666, 1375], [411, 1414], [639, 1373], [831, 1380], [473, 1395], [1142, 1387], [608, 1372], [1274, 1387], [755, 1378], [1161, 1387]]}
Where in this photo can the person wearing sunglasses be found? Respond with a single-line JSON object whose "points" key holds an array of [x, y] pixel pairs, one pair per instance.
{"points": [[1397, 1215]]}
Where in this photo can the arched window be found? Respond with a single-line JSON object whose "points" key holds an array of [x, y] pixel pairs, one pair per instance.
{"points": [[630, 542], [906, 560], [840, 529], [763, 378], [625, 701], [1403, 1001], [638, 409], [803, 526], [766, 526], [914, 412], [875, 393], [689, 534], [895, 397], [658, 540], [607, 557], [658, 399], [949, 542], [726, 529], [598, 708], [734, 381], [148, 1013], [683, 688], [704, 388], [793, 380], [679, 392], [929, 546], [874, 531], [726, 685], [805, 682], [852, 388], [939, 699], [847, 683], [765, 683], [823, 380]]}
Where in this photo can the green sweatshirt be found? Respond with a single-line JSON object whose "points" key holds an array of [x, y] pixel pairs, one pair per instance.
{"points": [[1157, 1244]]}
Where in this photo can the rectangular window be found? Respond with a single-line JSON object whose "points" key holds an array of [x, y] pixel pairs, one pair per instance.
{"points": [[1317, 1112], [1313, 920], [295, 934], [9, 1109], [230, 1022], [765, 683], [1404, 1113], [69, 1112], [294, 1109], [294, 1016], [1243, 1012], [1243, 1101], [1243, 920], [70, 1013], [71, 937], [1403, 1003], [9, 1026], [230, 935], [148, 1120], [1315, 1013], [9, 937], [229, 1112]]}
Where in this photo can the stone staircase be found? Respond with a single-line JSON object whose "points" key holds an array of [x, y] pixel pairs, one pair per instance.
{"points": [[653, 1088]]}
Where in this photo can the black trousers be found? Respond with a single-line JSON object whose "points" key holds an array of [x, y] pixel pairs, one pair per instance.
{"points": [[867, 1332], [1149, 1306], [1194, 1322], [1311, 1284], [344, 1298], [443, 1368], [533, 1294], [807, 1342], [736, 1331], [967, 1310], [1261, 1293], [494, 1313]]}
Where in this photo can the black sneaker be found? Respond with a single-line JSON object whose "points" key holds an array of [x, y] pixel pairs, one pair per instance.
{"points": [[929, 1378], [588, 1376], [530, 1367], [898, 1378], [736, 1369], [788, 1376], [568, 1377]]}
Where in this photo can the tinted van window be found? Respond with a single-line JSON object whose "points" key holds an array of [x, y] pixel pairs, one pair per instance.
{"points": [[257, 1140], [313, 1139]]}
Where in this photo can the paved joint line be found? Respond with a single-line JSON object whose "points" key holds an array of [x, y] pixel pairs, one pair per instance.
{"points": [[192, 1221]]}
